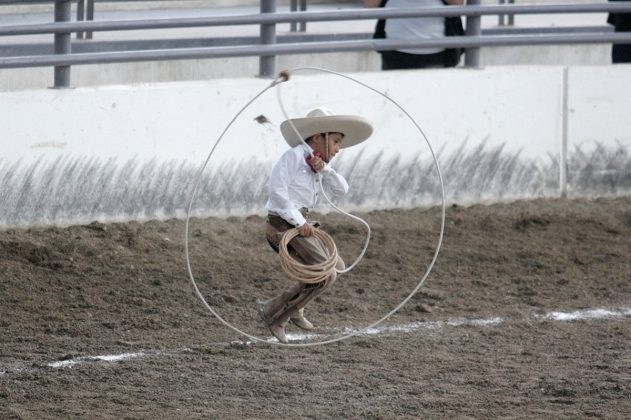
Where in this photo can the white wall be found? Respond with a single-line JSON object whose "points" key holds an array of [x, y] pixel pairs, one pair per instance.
{"points": [[132, 151], [599, 106], [179, 120]]}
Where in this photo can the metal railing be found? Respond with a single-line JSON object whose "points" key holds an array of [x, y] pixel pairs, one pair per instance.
{"points": [[511, 17], [85, 11], [267, 48]]}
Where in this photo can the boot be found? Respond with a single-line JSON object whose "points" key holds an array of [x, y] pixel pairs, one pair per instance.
{"points": [[276, 327], [273, 308], [278, 330], [298, 319]]}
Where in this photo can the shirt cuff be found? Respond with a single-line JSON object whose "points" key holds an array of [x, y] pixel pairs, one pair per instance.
{"points": [[293, 217]]}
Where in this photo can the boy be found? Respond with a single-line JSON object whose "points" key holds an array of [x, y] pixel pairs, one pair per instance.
{"points": [[293, 192]]}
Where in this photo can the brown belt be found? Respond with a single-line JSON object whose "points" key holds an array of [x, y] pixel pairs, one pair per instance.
{"points": [[303, 210]]}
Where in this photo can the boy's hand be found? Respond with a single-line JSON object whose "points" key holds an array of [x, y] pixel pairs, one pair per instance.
{"points": [[305, 230], [316, 163]]}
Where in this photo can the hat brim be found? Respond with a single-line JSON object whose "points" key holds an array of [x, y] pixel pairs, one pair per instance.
{"points": [[356, 129]]}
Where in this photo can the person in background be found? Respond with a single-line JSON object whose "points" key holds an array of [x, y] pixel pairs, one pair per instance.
{"points": [[620, 53], [412, 29]]}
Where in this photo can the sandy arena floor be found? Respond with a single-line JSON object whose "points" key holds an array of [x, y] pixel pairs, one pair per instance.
{"points": [[527, 314]]}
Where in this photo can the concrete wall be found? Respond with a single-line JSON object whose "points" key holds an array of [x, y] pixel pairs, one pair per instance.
{"points": [[133, 151]]}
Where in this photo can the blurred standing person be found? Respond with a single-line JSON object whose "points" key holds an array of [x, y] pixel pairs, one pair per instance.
{"points": [[414, 29], [620, 53]]}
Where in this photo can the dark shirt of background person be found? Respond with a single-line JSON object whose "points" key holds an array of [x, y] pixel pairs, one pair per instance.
{"points": [[620, 53]]}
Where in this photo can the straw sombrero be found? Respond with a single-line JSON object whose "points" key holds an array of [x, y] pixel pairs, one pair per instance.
{"points": [[355, 128]]}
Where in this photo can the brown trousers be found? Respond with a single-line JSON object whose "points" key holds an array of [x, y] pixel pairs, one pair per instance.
{"points": [[308, 250]]}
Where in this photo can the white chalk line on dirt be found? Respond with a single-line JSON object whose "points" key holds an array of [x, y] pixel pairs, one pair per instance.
{"points": [[103, 358], [587, 314], [579, 315]]}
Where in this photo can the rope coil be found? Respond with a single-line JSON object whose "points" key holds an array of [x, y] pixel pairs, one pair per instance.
{"points": [[307, 273]]}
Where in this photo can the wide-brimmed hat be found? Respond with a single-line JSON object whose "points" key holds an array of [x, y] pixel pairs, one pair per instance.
{"points": [[321, 120]]}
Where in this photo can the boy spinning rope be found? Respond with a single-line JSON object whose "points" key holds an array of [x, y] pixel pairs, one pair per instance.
{"points": [[293, 192]]}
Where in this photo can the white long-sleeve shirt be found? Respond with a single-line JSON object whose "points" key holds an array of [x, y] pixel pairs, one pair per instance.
{"points": [[293, 185]]}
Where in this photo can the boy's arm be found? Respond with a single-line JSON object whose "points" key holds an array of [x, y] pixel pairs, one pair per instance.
{"points": [[335, 182], [279, 191]]}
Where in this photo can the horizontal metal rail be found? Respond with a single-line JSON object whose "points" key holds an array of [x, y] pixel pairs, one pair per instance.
{"points": [[313, 16], [513, 30], [29, 2], [307, 47], [267, 47], [42, 48]]}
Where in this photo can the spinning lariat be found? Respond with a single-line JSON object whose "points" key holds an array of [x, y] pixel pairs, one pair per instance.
{"points": [[293, 268]]}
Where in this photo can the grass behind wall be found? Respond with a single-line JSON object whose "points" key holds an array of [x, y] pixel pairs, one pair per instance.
{"points": [[71, 190]]}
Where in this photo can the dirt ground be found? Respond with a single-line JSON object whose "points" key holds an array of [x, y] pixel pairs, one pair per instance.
{"points": [[101, 321]]}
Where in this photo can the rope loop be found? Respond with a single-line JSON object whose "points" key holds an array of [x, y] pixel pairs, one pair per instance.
{"points": [[307, 273], [329, 264]]}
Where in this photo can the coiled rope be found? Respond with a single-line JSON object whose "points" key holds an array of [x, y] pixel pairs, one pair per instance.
{"points": [[284, 76], [307, 273]]}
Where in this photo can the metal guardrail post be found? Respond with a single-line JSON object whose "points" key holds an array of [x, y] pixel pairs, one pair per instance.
{"points": [[511, 16], [85, 13], [293, 7], [267, 63], [303, 8], [63, 13], [472, 54], [90, 16], [80, 15]]}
